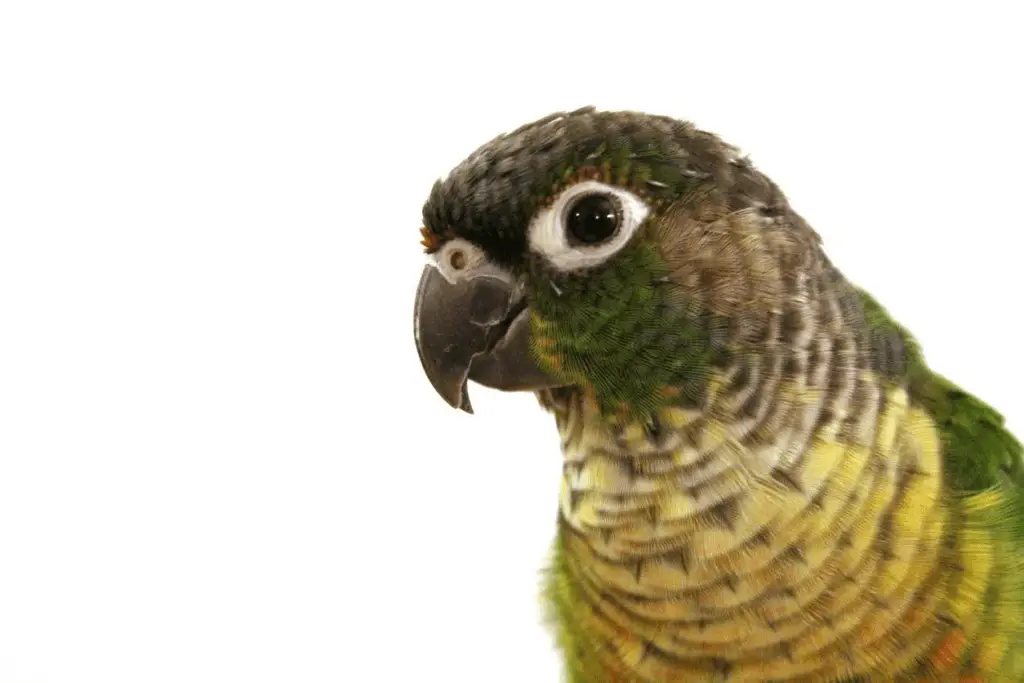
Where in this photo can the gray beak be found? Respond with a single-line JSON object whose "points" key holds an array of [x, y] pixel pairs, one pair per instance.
{"points": [[478, 329]]}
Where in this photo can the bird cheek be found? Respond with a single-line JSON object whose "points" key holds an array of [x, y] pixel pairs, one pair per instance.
{"points": [[544, 346]]}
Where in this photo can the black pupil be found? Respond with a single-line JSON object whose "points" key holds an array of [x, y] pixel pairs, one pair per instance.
{"points": [[593, 218]]}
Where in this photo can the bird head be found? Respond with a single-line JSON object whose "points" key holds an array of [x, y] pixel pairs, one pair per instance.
{"points": [[626, 254]]}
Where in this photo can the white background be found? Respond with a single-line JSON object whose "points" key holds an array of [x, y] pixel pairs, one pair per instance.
{"points": [[219, 460]]}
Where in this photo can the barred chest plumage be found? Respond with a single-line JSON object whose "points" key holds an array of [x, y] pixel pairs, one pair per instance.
{"points": [[786, 529]]}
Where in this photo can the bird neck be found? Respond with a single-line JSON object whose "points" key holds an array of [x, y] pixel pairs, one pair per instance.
{"points": [[742, 545]]}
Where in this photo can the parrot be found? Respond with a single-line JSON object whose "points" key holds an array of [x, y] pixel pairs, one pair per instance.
{"points": [[762, 477]]}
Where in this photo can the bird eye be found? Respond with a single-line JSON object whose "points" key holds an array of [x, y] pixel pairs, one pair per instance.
{"points": [[592, 218], [586, 224]]}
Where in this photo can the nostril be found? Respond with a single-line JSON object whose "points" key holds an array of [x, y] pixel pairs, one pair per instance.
{"points": [[457, 259]]}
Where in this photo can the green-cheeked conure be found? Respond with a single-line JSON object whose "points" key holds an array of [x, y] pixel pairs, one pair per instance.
{"points": [[763, 479]]}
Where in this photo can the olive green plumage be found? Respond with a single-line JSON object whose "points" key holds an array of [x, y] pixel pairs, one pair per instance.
{"points": [[625, 337], [743, 428], [980, 451]]}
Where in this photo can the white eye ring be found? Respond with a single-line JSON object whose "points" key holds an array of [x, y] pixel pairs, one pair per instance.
{"points": [[547, 232]]}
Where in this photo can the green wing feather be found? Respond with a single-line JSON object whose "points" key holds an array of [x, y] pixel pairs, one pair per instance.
{"points": [[979, 451]]}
